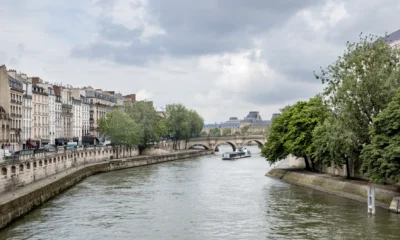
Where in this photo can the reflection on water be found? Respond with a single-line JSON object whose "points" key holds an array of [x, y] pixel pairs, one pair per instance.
{"points": [[203, 198]]}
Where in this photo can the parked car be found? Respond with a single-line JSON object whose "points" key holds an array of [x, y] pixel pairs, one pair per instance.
{"points": [[50, 148], [4, 153]]}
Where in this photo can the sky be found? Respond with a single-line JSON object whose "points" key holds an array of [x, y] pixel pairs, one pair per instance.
{"points": [[222, 58]]}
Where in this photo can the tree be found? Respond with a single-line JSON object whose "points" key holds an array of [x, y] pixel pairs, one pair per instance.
{"points": [[216, 132], [146, 117], [226, 131], [244, 130], [303, 118], [361, 83], [274, 149], [381, 158], [203, 134], [334, 144], [160, 129], [292, 131], [120, 128], [196, 123], [177, 122]]}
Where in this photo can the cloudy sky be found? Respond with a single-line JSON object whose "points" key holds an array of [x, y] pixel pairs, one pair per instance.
{"points": [[220, 57]]}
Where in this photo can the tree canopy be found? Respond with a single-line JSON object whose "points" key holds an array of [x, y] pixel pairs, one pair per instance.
{"points": [[381, 158], [226, 131], [146, 117], [361, 83], [120, 128], [292, 131]]}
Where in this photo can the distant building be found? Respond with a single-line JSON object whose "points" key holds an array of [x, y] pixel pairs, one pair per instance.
{"points": [[253, 120], [394, 39]]}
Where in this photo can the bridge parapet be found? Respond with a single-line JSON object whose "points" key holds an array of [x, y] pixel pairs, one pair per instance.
{"points": [[235, 141]]}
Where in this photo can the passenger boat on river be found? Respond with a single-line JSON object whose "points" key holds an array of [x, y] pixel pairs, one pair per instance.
{"points": [[239, 153]]}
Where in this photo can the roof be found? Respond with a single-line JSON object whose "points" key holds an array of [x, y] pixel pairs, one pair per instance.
{"points": [[262, 123], [394, 36], [253, 115]]}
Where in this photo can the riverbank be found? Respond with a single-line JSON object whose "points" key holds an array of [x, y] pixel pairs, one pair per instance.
{"points": [[386, 196], [16, 203]]}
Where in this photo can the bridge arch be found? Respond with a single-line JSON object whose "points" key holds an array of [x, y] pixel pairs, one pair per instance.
{"points": [[198, 145], [259, 143], [226, 142]]}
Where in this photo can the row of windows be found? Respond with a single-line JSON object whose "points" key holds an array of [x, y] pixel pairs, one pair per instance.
{"points": [[16, 97], [40, 98]]}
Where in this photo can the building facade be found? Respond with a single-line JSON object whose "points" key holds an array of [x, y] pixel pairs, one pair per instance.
{"points": [[85, 116], [77, 120], [66, 113], [16, 94], [101, 103], [58, 112], [252, 121], [40, 107]]}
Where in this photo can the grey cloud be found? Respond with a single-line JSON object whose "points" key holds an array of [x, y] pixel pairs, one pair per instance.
{"points": [[193, 28]]}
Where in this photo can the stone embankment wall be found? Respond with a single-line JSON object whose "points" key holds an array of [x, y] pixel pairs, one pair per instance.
{"points": [[27, 169], [340, 187], [19, 202]]}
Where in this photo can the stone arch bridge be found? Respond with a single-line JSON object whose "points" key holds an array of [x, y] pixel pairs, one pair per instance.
{"points": [[235, 141]]}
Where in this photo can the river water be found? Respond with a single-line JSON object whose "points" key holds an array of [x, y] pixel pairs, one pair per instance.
{"points": [[200, 198]]}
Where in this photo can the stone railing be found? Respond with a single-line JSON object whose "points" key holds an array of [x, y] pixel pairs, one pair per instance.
{"points": [[16, 171]]}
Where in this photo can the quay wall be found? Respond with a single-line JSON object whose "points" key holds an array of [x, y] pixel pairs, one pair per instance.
{"points": [[349, 189], [16, 203], [19, 171]]}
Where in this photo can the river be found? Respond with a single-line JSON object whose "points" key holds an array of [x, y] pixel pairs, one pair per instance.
{"points": [[200, 198]]}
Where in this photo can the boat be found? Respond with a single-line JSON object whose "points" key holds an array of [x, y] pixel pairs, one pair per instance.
{"points": [[239, 153]]}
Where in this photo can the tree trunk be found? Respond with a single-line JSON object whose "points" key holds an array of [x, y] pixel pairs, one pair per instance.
{"points": [[141, 148], [307, 163], [312, 165], [347, 168]]}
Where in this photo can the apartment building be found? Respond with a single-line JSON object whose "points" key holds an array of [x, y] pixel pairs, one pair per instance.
{"points": [[101, 103], [40, 107]]}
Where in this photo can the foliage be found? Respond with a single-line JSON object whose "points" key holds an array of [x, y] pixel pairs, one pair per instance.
{"points": [[196, 123], [203, 134], [292, 132], [381, 158], [244, 130], [146, 117], [177, 121], [120, 128], [215, 132], [226, 131], [274, 150], [361, 83], [334, 144]]}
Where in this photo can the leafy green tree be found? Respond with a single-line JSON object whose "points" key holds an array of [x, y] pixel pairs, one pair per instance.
{"points": [[216, 132], [160, 129], [177, 121], [381, 158], [292, 132], [203, 134], [361, 83], [120, 128], [244, 130], [334, 144], [274, 150], [196, 123], [226, 131], [146, 117]]}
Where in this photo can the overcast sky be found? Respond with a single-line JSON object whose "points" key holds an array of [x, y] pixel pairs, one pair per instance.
{"points": [[222, 58]]}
